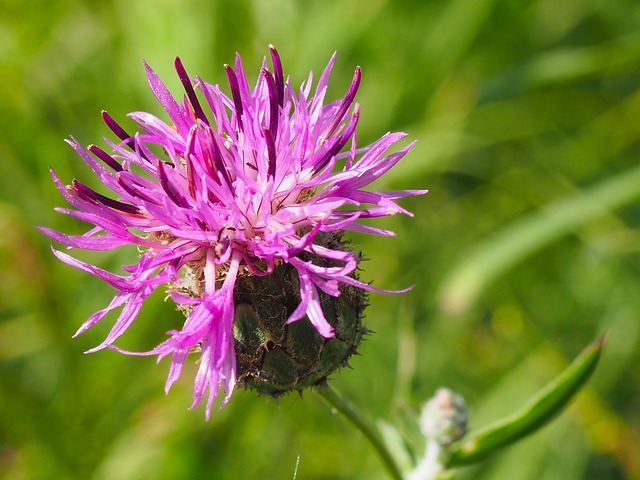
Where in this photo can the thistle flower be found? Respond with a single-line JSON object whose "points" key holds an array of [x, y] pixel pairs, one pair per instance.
{"points": [[259, 187]]}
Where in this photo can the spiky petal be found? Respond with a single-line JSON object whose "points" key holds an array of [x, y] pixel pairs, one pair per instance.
{"points": [[245, 184]]}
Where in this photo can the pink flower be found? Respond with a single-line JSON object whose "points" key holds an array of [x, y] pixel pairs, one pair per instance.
{"points": [[240, 189]]}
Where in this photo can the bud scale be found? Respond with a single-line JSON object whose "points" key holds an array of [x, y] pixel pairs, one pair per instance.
{"points": [[273, 357]]}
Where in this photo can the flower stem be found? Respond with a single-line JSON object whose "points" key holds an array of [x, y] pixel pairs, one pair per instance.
{"points": [[350, 412], [430, 466]]}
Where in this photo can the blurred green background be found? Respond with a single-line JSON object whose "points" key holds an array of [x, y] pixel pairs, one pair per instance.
{"points": [[525, 249]]}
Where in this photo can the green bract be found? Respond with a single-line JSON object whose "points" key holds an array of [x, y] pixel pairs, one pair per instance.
{"points": [[274, 357]]}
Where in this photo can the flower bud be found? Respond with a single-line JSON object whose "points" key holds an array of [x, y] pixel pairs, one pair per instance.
{"points": [[444, 417]]}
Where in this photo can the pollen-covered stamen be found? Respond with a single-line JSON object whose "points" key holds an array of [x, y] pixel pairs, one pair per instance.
{"points": [[235, 93], [339, 144], [271, 153], [273, 103], [344, 104], [90, 194], [278, 74], [191, 94], [106, 158]]}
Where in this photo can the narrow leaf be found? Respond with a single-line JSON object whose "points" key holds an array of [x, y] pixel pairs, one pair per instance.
{"points": [[536, 413]]}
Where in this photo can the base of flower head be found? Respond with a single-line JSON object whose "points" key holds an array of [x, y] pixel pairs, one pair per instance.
{"points": [[274, 357]]}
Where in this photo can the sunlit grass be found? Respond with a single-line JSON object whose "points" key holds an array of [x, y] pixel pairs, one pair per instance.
{"points": [[525, 249]]}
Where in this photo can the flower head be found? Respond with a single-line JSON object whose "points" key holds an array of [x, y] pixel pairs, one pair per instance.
{"points": [[245, 183]]}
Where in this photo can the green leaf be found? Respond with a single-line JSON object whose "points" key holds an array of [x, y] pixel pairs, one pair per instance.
{"points": [[536, 413]]}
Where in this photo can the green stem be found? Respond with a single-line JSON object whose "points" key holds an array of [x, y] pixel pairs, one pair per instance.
{"points": [[349, 411]]}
